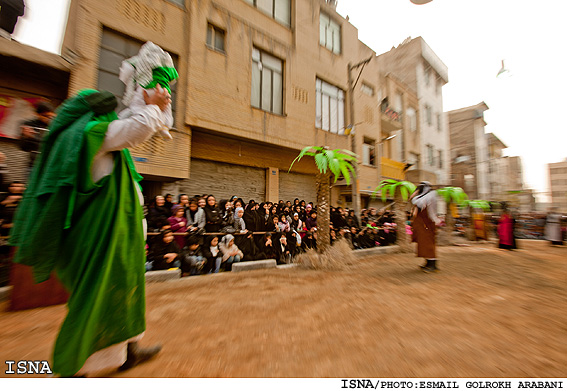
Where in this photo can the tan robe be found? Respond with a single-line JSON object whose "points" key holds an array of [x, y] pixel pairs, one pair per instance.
{"points": [[424, 234]]}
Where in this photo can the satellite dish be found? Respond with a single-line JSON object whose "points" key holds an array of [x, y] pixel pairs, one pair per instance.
{"points": [[419, 2]]}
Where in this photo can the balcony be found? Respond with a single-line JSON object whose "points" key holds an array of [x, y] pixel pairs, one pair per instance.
{"points": [[392, 169], [391, 120]]}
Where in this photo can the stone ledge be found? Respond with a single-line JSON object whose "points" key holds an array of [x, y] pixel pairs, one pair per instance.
{"points": [[5, 293], [287, 266], [365, 252], [163, 275], [254, 265]]}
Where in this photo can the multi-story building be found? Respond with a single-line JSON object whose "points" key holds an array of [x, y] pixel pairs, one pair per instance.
{"points": [[400, 147], [415, 65], [558, 185], [469, 151], [497, 169], [259, 81]]}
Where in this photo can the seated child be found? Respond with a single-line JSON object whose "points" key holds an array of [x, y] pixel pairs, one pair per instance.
{"points": [[230, 252], [192, 259], [163, 253], [213, 254]]}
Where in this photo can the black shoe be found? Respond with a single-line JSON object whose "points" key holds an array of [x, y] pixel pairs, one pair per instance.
{"points": [[137, 355], [426, 266]]}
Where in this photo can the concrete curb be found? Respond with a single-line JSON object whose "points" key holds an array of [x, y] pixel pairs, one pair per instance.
{"points": [[254, 265], [366, 252], [288, 266], [163, 275]]}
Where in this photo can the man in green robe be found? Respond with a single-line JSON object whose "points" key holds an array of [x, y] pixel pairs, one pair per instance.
{"points": [[82, 217]]}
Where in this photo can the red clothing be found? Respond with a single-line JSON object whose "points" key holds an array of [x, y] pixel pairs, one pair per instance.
{"points": [[506, 231]]}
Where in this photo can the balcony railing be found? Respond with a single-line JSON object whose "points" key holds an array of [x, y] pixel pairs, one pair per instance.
{"points": [[390, 113]]}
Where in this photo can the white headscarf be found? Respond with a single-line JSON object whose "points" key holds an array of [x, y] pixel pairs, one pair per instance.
{"points": [[138, 69], [427, 198]]}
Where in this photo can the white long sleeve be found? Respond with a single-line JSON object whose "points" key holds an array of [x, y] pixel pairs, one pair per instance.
{"points": [[126, 133]]}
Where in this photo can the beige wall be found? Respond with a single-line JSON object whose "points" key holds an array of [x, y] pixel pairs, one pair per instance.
{"points": [[147, 20]]}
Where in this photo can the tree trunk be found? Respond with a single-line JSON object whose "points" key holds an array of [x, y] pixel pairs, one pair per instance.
{"points": [[323, 183], [402, 238]]}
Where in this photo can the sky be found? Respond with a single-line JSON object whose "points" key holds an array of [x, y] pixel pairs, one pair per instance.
{"points": [[471, 37]]}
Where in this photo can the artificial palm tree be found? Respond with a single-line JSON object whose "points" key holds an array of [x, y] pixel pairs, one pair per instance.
{"points": [[400, 192], [335, 163], [453, 196]]}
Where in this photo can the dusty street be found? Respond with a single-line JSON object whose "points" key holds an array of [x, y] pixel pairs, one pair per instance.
{"points": [[489, 313]]}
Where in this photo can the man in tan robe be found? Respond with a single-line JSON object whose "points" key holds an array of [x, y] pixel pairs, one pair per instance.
{"points": [[424, 224]]}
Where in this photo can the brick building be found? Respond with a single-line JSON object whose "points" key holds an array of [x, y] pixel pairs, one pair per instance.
{"points": [[469, 150], [416, 66], [558, 185], [258, 82]]}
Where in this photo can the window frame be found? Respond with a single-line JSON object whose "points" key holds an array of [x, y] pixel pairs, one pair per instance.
{"points": [[429, 115], [321, 86], [335, 46], [369, 145], [261, 99], [272, 13], [412, 116], [214, 29]]}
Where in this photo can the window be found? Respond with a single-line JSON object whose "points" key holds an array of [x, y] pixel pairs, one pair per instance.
{"points": [[329, 34], [427, 75], [440, 161], [398, 102], [412, 119], [438, 122], [114, 49], [279, 10], [215, 38], [428, 115], [267, 82], [430, 157], [366, 89], [414, 160], [330, 102], [368, 152]]}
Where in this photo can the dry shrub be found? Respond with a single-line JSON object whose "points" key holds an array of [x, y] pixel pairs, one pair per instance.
{"points": [[337, 257]]}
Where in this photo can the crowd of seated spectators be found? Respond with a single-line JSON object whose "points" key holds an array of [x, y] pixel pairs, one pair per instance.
{"points": [[201, 235]]}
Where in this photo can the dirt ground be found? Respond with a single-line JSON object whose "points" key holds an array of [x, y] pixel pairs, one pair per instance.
{"points": [[489, 313]]}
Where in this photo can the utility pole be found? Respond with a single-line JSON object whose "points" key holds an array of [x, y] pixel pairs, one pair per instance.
{"points": [[351, 87]]}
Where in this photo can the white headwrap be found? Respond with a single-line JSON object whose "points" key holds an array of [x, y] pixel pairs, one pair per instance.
{"points": [[427, 199], [139, 69]]}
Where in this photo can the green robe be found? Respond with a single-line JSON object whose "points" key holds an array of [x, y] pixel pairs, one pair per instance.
{"points": [[90, 233]]}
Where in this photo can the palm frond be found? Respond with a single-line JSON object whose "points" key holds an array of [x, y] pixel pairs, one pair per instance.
{"points": [[345, 171], [322, 163], [404, 192]]}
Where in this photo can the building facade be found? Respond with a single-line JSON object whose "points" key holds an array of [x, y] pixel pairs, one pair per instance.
{"points": [[416, 65], [258, 82], [469, 151], [558, 185], [497, 168]]}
